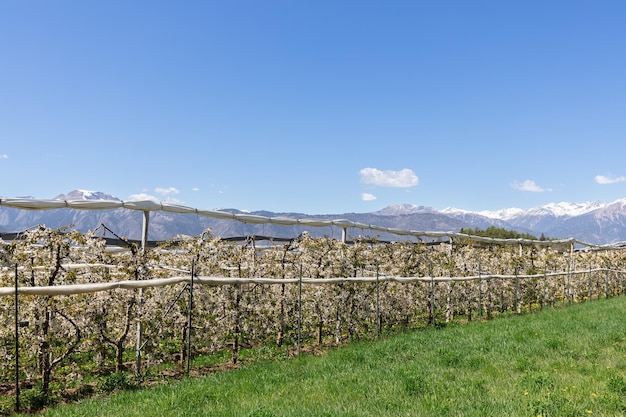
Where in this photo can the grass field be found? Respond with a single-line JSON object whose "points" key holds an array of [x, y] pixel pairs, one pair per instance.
{"points": [[568, 361]]}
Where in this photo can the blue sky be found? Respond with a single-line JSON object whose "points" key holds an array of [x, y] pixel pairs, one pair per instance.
{"points": [[315, 106]]}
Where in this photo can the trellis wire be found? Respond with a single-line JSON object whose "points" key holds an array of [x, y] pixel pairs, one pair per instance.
{"points": [[72, 289]]}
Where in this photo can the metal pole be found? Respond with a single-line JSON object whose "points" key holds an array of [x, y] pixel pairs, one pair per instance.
{"points": [[377, 304], [432, 295], [569, 282], [545, 284], [299, 310], [589, 285], [144, 244], [517, 308], [480, 292], [17, 349], [606, 288], [144, 230], [570, 266], [189, 316]]}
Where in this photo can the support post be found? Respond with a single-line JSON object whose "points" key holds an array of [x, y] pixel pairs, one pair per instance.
{"points": [[144, 230], [567, 279], [189, 315], [589, 285], [480, 292], [545, 284], [17, 347], [570, 267], [144, 245], [607, 279], [517, 307], [432, 295], [300, 310], [377, 304]]}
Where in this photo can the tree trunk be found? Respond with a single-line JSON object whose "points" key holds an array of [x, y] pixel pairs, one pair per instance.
{"points": [[281, 318], [236, 329], [43, 352]]}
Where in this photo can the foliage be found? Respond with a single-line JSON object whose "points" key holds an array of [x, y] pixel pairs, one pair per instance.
{"points": [[34, 399], [498, 232], [117, 381]]}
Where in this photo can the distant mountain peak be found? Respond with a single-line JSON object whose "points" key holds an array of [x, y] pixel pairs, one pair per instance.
{"points": [[400, 209], [85, 195], [571, 209]]}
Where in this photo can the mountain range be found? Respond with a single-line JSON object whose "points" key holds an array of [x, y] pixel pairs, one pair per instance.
{"points": [[591, 222]]}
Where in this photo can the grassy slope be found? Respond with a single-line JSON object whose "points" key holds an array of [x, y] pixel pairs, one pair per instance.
{"points": [[563, 362]]}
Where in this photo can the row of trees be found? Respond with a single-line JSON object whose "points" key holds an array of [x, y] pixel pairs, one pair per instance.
{"points": [[500, 233], [72, 336]]}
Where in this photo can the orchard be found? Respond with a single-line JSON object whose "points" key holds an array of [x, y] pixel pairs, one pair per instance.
{"points": [[86, 310]]}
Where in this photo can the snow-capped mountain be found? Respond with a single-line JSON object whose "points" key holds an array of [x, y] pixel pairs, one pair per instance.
{"points": [[400, 209], [85, 195], [551, 209], [592, 222]]}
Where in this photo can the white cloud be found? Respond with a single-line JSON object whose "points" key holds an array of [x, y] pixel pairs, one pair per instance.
{"points": [[143, 196], [166, 191], [402, 178], [195, 189], [529, 185], [4, 156], [368, 197], [610, 179]]}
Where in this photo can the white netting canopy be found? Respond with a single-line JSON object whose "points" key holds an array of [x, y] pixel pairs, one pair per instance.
{"points": [[149, 205]]}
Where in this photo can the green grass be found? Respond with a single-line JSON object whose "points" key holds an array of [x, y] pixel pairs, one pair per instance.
{"points": [[563, 362]]}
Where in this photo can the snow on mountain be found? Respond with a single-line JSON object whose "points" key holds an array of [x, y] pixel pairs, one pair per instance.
{"points": [[401, 209], [553, 209], [503, 214], [616, 206], [85, 195], [565, 209]]}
